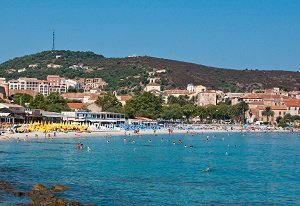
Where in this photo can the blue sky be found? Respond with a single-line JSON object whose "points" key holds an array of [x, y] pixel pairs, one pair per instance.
{"points": [[239, 34]]}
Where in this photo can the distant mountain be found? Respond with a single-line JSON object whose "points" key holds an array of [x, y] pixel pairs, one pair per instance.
{"points": [[130, 73]]}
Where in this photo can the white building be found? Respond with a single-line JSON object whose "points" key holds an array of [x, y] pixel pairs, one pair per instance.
{"points": [[196, 88]]}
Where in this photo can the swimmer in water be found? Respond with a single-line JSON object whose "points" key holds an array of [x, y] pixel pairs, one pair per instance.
{"points": [[206, 169], [107, 141], [226, 153], [174, 143], [88, 149], [149, 140], [185, 146], [79, 146]]}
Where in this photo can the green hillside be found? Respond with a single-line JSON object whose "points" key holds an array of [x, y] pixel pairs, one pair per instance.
{"points": [[130, 73]]}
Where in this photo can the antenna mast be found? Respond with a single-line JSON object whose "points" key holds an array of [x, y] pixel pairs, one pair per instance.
{"points": [[53, 40]]}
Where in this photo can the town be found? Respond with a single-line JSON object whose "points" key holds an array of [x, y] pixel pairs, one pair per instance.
{"points": [[269, 106]]}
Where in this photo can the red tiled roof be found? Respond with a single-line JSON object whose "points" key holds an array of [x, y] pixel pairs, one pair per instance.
{"points": [[124, 97], [292, 102], [278, 107], [256, 103], [252, 96], [76, 105]]}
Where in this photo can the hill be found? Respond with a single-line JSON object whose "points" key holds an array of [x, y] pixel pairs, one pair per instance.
{"points": [[130, 73]]}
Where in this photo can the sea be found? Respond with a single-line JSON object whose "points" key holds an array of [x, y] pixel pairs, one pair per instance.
{"points": [[180, 169]]}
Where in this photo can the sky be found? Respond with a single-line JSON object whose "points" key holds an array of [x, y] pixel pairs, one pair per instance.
{"points": [[237, 34]]}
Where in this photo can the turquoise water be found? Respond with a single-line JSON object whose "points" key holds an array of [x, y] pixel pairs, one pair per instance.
{"points": [[260, 169]]}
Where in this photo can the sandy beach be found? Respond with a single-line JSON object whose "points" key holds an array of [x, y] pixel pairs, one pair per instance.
{"points": [[108, 133]]}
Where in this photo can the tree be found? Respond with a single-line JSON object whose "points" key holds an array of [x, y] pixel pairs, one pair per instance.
{"points": [[183, 99], [145, 104], [22, 99], [267, 113], [108, 102], [279, 119], [172, 112], [241, 108], [201, 112], [188, 111], [38, 102], [53, 103], [172, 100]]}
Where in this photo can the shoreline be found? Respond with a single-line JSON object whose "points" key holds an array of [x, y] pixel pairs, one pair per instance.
{"points": [[109, 133]]}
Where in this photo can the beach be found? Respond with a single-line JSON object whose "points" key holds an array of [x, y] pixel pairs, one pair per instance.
{"points": [[109, 133]]}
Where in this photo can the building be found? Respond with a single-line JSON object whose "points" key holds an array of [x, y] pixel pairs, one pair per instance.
{"points": [[71, 83], [196, 88], [32, 86], [4, 91], [123, 99], [56, 84], [153, 88], [92, 84], [77, 106], [293, 106], [95, 118], [11, 113], [206, 98], [17, 109], [177, 93], [54, 66], [83, 97]]}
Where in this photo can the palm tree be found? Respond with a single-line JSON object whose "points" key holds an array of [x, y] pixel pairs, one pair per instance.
{"points": [[268, 112]]}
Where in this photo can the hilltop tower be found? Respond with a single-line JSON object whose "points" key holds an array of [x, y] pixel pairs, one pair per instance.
{"points": [[53, 40]]}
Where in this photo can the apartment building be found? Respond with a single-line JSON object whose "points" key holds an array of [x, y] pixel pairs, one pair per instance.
{"points": [[53, 83], [92, 83]]}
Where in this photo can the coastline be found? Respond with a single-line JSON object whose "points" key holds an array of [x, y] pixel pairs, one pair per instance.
{"points": [[109, 133]]}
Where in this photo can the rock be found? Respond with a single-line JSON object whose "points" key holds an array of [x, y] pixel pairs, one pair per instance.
{"points": [[39, 187], [42, 197], [59, 202], [59, 188], [6, 186], [19, 194]]}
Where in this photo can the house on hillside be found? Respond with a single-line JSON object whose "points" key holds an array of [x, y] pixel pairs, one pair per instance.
{"points": [[153, 88], [123, 99]]}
